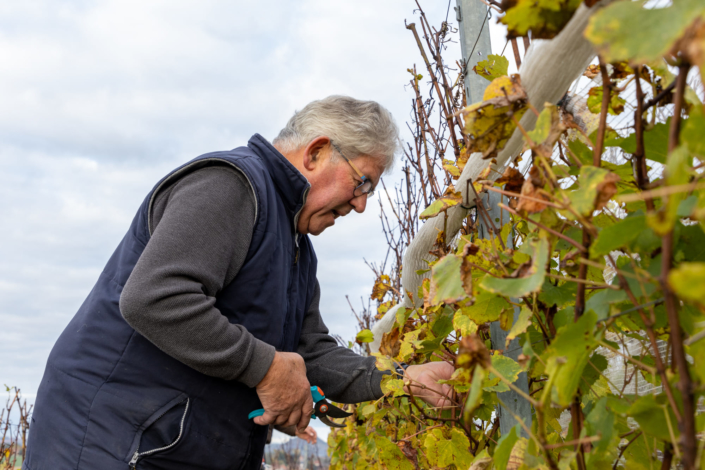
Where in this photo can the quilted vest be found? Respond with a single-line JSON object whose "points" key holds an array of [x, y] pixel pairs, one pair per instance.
{"points": [[111, 400]]}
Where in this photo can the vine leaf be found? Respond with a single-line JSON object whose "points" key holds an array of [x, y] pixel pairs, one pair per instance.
{"points": [[494, 67], [487, 307], [508, 369], [443, 452], [600, 422], [446, 283], [474, 399], [618, 235], [364, 336], [544, 18], [594, 101], [441, 204], [547, 130], [654, 33], [678, 171], [504, 448], [524, 285], [520, 325], [390, 456], [489, 124], [464, 324], [597, 186], [381, 287], [687, 281], [557, 295], [655, 142], [567, 356], [693, 132], [650, 412]]}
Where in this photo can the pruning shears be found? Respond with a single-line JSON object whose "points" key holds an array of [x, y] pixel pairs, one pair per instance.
{"points": [[322, 409]]}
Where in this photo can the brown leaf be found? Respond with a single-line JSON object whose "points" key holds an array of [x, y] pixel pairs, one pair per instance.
{"points": [[530, 188], [408, 450], [592, 71], [466, 276], [381, 287], [605, 190], [590, 3], [512, 178], [621, 70], [506, 318], [390, 344], [472, 351]]}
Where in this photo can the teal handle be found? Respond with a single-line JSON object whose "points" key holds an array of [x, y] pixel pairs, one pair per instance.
{"points": [[316, 393]]}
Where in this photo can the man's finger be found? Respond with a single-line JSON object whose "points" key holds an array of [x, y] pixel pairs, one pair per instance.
{"points": [[266, 419], [306, 412], [294, 418]]}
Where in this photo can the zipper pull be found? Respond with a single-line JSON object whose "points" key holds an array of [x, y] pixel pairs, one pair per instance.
{"points": [[296, 258], [135, 457]]}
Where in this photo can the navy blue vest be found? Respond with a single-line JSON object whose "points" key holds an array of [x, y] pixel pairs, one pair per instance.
{"points": [[109, 396]]}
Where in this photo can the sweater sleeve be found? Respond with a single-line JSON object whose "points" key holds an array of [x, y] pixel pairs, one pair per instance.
{"points": [[344, 376], [202, 228]]}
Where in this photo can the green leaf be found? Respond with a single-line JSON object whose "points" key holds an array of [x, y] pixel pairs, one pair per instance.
{"points": [[618, 235], [525, 285], [365, 336], [464, 324], [600, 422], [487, 307], [650, 412], [389, 454], [693, 132], [439, 205], [628, 31], [594, 101], [392, 386], [655, 142], [507, 368], [504, 448], [520, 325], [545, 18], [687, 281], [567, 356], [557, 295], [446, 284], [488, 124], [590, 181], [494, 67], [442, 452], [474, 399]]}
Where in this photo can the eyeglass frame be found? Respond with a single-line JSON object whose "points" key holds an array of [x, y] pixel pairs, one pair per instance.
{"points": [[365, 179]]}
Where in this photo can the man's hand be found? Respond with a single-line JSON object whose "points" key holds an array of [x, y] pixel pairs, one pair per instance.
{"points": [[309, 435], [428, 375], [285, 393]]}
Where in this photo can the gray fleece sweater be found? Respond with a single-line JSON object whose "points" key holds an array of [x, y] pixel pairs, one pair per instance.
{"points": [[201, 227]]}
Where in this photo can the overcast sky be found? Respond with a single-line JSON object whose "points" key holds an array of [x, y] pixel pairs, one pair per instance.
{"points": [[100, 99]]}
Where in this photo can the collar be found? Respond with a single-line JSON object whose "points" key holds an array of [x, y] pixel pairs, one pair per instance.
{"points": [[291, 185]]}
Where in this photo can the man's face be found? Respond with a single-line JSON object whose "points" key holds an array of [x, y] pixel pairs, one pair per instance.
{"points": [[331, 193]]}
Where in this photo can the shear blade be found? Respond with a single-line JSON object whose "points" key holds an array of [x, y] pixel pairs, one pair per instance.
{"points": [[324, 419], [335, 412]]}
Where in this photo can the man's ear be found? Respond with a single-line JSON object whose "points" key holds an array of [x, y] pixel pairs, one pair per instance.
{"points": [[313, 152]]}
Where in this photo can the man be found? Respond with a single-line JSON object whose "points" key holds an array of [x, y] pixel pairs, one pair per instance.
{"points": [[208, 309]]}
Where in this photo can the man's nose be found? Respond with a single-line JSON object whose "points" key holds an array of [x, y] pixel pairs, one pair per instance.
{"points": [[359, 203]]}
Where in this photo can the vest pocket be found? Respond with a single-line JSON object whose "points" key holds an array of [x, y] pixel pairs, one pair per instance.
{"points": [[162, 431]]}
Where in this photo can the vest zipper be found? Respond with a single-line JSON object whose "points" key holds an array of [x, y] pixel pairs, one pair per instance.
{"points": [[137, 455], [296, 222]]}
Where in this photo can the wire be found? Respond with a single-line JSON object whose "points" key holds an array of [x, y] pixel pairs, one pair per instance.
{"points": [[478, 35]]}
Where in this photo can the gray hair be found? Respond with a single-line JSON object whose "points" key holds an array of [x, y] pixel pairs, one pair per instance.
{"points": [[357, 127]]}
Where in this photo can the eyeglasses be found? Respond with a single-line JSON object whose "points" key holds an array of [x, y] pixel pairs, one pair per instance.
{"points": [[363, 188]]}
